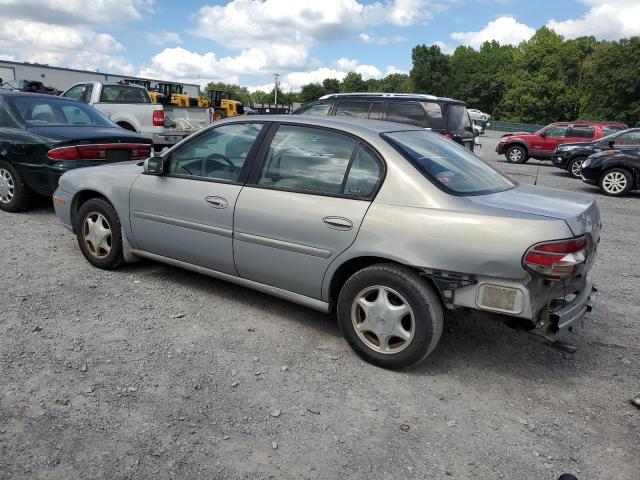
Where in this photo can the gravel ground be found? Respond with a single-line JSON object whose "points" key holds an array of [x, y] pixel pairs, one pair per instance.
{"points": [[155, 372]]}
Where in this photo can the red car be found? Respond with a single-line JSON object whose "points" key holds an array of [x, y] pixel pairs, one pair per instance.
{"points": [[519, 147]]}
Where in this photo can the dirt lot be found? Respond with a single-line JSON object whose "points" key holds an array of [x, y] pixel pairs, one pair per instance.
{"points": [[155, 372]]}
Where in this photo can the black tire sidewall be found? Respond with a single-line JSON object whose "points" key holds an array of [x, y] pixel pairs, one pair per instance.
{"points": [[626, 189], [426, 309], [21, 194], [115, 257], [516, 147]]}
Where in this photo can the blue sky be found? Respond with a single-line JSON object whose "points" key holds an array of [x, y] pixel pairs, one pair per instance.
{"points": [[246, 41]]}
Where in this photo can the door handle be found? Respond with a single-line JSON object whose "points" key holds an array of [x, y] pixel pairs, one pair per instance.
{"points": [[337, 223], [216, 202]]}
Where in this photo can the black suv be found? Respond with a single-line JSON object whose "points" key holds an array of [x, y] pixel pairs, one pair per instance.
{"points": [[570, 156], [443, 115]]}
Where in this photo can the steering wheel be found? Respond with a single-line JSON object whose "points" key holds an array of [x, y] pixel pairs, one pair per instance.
{"points": [[221, 157]]}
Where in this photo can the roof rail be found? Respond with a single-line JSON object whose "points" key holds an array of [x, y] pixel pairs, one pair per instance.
{"points": [[379, 94]]}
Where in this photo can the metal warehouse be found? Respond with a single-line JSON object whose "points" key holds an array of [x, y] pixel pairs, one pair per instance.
{"points": [[62, 78]]}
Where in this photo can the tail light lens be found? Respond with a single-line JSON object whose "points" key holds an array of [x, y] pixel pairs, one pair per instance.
{"points": [[137, 151], [447, 136], [557, 259], [158, 118]]}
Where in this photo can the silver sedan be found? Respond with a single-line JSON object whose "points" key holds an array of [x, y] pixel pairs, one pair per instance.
{"points": [[385, 224]]}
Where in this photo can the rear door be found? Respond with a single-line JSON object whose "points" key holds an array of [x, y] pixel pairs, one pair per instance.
{"points": [[303, 206], [187, 213]]}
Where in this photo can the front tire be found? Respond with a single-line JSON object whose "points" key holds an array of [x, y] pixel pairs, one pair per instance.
{"points": [[14, 193], [390, 316], [575, 167], [616, 182], [99, 234], [516, 154]]}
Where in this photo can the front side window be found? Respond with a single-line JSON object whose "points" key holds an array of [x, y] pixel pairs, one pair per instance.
{"points": [[218, 154], [320, 110], [57, 111], [628, 138], [124, 94], [558, 131], [74, 92], [447, 164], [410, 113], [6, 120], [353, 109], [307, 159]]}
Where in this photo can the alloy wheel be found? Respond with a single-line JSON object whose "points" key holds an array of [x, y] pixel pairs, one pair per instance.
{"points": [[614, 182], [576, 168], [515, 155], [7, 186], [97, 235], [383, 319]]}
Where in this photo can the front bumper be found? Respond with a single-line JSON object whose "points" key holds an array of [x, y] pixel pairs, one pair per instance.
{"points": [[559, 161], [62, 205], [500, 148]]}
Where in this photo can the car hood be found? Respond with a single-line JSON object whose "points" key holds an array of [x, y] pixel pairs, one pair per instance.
{"points": [[70, 132], [579, 211], [577, 144], [515, 134]]}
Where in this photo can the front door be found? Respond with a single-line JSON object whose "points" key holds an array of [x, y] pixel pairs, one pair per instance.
{"points": [[187, 213], [304, 208], [553, 136]]}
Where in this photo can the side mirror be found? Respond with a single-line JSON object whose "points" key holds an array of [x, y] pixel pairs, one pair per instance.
{"points": [[154, 165], [543, 134], [612, 143]]}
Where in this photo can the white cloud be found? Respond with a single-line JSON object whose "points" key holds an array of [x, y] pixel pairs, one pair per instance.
{"points": [[368, 71], [75, 12], [164, 38], [391, 69], [9, 58], [347, 63], [61, 45], [506, 30], [606, 19], [381, 40], [444, 47]]}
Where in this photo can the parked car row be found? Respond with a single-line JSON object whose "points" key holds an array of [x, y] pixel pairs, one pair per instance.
{"points": [[604, 154]]}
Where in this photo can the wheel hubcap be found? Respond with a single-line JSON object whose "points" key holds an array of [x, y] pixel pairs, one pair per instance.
{"points": [[383, 319], [97, 235], [515, 155], [576, 168], [614, 182], [7, 186]]}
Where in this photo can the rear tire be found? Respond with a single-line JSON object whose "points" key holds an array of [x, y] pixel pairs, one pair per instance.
{"points": [[516, 154], [615, 182], [575, 166], [98, 232], [219, 115], [390, 316], [14, 193]]}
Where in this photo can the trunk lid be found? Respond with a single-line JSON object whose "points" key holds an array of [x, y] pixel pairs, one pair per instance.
{"points": [[70, 133], [579, 211]]}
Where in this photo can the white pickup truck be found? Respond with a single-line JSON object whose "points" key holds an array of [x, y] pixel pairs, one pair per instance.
{"points": [[130, 107]]}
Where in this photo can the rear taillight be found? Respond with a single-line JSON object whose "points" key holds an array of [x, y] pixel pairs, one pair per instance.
{"points": [[158, 118], [557, 259], [446, 135], [137, 151]]}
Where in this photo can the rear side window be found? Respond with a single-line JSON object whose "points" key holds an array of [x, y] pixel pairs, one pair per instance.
{"points": [[319, 110], [353, 109], [434, 112], [307, 159], [123, 94], [581, 131], [609, 129], [363, 175], [377, 111], [410, 113]]}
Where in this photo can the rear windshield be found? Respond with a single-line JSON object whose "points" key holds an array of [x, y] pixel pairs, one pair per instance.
{"points": [[57, 111], [124, 94], [457, 117], [447, 164]]}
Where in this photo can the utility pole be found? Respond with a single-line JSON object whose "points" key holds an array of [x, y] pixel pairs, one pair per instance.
{"points": [[276, 75]]}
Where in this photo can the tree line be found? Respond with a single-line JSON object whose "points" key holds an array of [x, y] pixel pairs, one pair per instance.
{"points": [[544, 79]]}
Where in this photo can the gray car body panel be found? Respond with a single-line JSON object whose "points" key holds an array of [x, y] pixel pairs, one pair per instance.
{"points": [[411, 221]]}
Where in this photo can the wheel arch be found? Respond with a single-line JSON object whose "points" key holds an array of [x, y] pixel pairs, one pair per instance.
{"points": [[352, 265], [79, 199], [127, 126], [517, 143]]}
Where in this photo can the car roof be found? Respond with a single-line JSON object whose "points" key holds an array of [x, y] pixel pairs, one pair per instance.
{"points": [[12, 93], [588, 122], [392, 96], [357, 126]]}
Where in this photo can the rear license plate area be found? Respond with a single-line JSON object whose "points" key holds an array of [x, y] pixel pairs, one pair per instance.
{"points": [[117, 155]]}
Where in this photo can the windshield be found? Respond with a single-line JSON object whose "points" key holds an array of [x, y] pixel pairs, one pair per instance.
{"points": [[57, 111], [448, 165], [15, 84], [457, 118]]}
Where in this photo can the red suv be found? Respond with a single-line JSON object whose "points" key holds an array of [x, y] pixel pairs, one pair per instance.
{"points": [[519, 147]]}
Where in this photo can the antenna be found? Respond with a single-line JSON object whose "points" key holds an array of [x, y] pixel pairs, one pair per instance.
{"points": [[537, 172]]}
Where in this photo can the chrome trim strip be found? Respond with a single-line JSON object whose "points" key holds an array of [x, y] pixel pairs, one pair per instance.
{"points": [[282, 245], [176, 222], [261, 287]]}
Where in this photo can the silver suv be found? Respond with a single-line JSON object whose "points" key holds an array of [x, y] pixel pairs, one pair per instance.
{"points": [[387, 224]]}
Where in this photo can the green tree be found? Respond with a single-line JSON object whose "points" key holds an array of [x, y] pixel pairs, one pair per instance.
{"points": [[311, 92], [331, 85], [430, 72], [353, 83]]}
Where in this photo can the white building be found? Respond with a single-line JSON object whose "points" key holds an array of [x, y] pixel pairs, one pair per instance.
{"points": [[63, 78]]}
